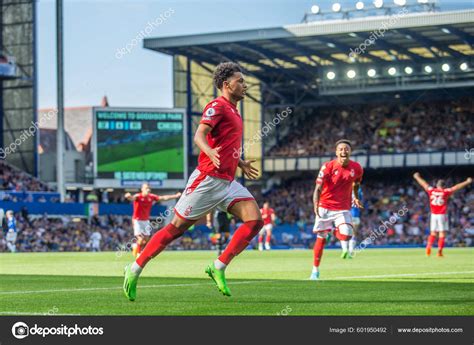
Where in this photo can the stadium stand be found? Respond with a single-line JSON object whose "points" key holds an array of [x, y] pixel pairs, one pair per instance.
{"points": [[382, 129]]}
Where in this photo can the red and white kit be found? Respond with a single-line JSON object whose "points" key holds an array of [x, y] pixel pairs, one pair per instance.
{"points": [[141, 213], [336, 196], [267, 219], [209, 187], [439, 208]]}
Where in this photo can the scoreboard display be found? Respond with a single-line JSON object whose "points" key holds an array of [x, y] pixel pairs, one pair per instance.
{"points": [[134, 145]]}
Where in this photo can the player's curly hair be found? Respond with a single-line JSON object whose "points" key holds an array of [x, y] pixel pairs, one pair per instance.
{"points": [[223, 71], [343, 141]]}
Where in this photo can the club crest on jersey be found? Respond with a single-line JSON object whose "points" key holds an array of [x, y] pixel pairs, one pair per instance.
{"points": [[336, 172], [352, 173]]}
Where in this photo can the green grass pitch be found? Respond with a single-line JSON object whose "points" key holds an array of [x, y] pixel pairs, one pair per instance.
{"points": [[376, 282]]}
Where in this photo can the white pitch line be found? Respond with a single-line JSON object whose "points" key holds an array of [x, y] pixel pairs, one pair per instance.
{"points": [[33, 313], [119, 287], [399, 275], [233, 283]]}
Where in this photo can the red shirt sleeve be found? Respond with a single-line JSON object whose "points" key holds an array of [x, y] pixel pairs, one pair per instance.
{"points": [[448, 192], [155, 197], [212, 114], [324, 173]]}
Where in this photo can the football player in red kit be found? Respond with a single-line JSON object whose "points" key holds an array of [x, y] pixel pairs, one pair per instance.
{"points": [[212, 184], [439, 222], [337, 181]]}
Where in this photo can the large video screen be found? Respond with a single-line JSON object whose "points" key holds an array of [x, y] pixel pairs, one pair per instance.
{"points": [[136, 145]]}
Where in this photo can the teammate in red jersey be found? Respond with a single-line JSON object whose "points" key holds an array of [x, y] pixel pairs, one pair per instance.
{"points": [[212, 184], [142, 203], [439, 197], [336, 182], [268, 216]]}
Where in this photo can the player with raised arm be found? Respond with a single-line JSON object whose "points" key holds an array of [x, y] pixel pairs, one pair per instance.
{"points": [[212, 184], [336, 181], [439, 221], [268, 216], [142, 204]]}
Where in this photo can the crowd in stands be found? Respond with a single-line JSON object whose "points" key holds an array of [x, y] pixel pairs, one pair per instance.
{"points": [[14, 180], [291, 201], [385, 128]]}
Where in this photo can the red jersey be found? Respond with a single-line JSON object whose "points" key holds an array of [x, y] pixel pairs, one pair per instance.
{"points": [[142, 205], [337, 183], [267, 215], [226, 123], [439, 199]]}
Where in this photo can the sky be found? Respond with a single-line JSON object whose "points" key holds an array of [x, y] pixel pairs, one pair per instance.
{"points": [[94, 32]]}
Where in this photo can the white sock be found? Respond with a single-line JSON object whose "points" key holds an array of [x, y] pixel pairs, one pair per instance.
{"points": [[11, 246], [315, 269], [352, 244], [344, 245], [219, 265], [136, 269]]}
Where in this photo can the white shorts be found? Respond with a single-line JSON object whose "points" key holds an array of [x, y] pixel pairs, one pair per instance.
{"points": [[328, 218], [266, 227], [141, 227], [203, 193], [439, 222], [11, 236]]}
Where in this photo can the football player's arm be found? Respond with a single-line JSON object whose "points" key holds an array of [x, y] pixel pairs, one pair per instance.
{"points": [[355, 188], [316, 195], [273, 218], [169, 197], [201, 141], [249, 171], [461, 185], [130, 197], [421, 181]]}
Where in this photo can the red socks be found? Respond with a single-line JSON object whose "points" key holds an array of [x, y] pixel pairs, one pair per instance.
{"points": [[158, 242], [318, 250], [241, 239], [430, 241], [260, 239], [440, 245]]}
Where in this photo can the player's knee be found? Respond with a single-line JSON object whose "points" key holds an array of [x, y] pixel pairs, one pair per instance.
{"points": [[344, 232]]}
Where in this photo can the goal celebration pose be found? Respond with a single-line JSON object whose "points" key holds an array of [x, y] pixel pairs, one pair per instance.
{"points": [[332, 198], [439, 222], [212, 184]]}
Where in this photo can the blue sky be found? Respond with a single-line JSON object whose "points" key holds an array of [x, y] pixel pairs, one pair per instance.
{"points": [[94, 30]]}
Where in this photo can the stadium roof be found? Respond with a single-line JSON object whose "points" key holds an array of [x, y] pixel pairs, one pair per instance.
{"points": [[299, 53]]}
